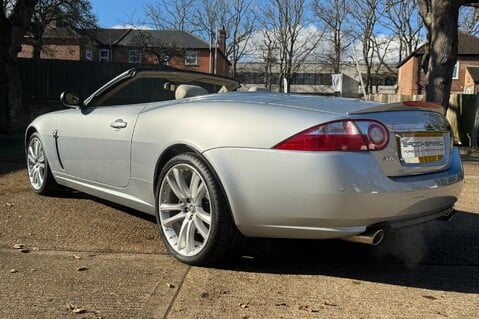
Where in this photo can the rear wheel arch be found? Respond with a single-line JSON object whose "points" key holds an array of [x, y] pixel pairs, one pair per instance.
{"points": [[178, 149], [222, 235]]}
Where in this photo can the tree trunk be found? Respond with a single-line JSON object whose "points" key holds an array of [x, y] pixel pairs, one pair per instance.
{"points": [[441, 20], [12, 31], [442, 27]]}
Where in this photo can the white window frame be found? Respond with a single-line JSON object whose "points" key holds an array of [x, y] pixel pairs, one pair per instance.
{"points": [[134, 56], [88, 54], [191, 57], [105, 58], [455, 72]]}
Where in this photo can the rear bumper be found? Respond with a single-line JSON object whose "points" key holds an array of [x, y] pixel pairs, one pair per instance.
{"points": [[327, 195]]}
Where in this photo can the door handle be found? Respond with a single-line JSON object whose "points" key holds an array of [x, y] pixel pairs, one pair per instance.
{"points": [[119, 124]]}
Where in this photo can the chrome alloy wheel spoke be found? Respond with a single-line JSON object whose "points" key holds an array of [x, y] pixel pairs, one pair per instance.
{"points": [[185, 209], [36, 163], [169, 222], [186, 237], [174, 181]]}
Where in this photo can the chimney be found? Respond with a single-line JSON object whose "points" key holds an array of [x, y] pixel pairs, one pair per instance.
{"points": [[222, 39]]}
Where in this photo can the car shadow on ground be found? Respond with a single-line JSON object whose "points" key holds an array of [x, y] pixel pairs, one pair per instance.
{"points": [[437, 255]]}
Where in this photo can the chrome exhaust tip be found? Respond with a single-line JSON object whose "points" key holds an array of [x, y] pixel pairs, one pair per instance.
{"points": [[371, 237]]}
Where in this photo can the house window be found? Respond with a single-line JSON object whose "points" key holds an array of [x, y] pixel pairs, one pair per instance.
{"points": [[89, 54], [191, 57], [134, 56], [455, 72], [104, 55]]}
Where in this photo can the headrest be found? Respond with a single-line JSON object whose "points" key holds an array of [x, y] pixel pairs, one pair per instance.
{"points": [[186, 90]]}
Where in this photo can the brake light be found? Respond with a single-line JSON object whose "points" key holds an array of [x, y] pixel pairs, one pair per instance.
{"points": [[345, 135]]}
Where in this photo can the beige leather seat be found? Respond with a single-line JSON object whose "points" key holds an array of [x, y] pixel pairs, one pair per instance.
{"points": [[186, 90]]}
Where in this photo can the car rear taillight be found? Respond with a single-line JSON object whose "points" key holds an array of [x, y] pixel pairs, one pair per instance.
{"points": [[345, 135]]}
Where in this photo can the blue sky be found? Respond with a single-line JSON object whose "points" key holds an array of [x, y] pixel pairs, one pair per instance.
{"points": [[112, 13]]}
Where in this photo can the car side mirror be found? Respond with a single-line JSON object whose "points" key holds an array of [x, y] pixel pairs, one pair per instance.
{"points": [[71, 99]]}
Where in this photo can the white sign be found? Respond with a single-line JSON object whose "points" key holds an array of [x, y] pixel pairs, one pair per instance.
{"points": [[421, 146], [337, 82]]}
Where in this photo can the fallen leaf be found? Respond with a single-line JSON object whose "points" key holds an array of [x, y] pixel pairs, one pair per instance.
{"points": [[430, 297], [75, 309], [78, 310], [308, 308], [18, 246], [205, 295], [283, 304], [13, 271], [82, 269], [243, 305], [24, 250], [330, 304], [8, 204], [170, 285], [76, 257]]}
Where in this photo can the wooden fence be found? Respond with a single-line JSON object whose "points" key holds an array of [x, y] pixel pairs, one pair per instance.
{"points": [[46, 79]]}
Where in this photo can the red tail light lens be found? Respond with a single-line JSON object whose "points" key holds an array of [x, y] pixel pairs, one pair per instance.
{"points": [[346, 136]]}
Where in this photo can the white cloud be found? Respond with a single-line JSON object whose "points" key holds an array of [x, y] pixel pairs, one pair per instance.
{"points": [[131, 26]]}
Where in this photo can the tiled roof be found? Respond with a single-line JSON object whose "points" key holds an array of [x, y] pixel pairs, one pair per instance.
{"points": [[110, 36], [152, 38], [474, 72], [467, 44], [61, 32]]}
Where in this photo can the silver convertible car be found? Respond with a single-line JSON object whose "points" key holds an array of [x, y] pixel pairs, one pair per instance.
{"points": [[215, 166]]}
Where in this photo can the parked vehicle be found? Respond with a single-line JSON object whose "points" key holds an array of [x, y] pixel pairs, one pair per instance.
{"points": [[215, 165]]}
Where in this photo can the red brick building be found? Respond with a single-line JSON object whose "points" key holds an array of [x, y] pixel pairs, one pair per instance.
{"points": [[178, 49], [411, 77]]}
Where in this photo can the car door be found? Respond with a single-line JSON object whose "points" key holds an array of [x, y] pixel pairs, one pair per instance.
{"points": [[95, 143]]}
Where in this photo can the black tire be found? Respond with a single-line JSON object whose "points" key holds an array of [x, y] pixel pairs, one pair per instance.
{"points": [[39, 175], [192, 214]]}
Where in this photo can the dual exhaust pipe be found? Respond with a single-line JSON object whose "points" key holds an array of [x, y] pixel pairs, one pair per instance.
{"points": [[375, 236], [371, 237]]}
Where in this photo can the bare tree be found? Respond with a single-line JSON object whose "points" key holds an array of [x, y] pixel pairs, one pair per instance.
{"points": [[205, 18], [441, 20], [469, 19], [238, 32], [209, 17], [333, 15], [286, 19], [382, 48], [15, 17], [269, 49], [153, 51], [403, 20], [171, 15], [74, 14], [366, 15]]}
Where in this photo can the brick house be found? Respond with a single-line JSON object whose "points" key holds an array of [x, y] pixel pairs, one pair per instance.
{"points": [[178, 49], [411, 76]]}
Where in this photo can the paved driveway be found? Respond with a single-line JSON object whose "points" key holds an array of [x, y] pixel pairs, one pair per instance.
{"points": [[84, 258]]}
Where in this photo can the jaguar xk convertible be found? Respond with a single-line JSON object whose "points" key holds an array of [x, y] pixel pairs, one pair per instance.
{"points": [[216, 166]]}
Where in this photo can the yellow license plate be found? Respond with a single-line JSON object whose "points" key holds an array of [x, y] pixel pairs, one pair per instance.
{"points": [[422, 147]]}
